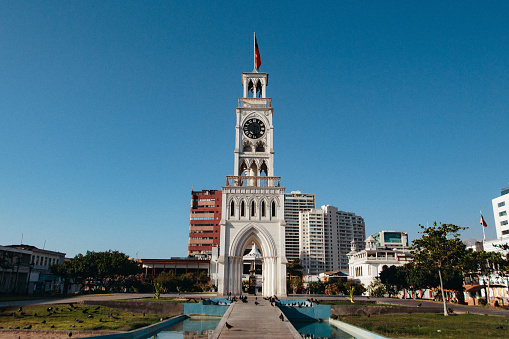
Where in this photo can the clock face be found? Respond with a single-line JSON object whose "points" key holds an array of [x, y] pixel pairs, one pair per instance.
{"points": [[254, 128]]}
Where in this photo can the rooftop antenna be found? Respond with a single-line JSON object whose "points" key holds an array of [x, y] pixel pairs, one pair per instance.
{"points": [[21, 238], [44, 246]]}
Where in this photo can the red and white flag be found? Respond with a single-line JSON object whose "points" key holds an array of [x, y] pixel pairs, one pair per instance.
{"points": [[258, 60], [482, 222]]}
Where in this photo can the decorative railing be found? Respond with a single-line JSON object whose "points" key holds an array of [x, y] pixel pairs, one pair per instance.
{"points": [[254, 102], [244, 181]]}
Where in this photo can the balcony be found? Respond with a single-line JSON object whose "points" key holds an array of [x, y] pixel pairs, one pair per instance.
{"points": [[255, 102], [244, 181]]}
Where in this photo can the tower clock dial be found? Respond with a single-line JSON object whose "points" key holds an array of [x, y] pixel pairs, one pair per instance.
{"points": [[254, 128]]}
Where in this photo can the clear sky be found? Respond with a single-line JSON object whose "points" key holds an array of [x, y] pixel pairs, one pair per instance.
{"points": [[111, 111]]}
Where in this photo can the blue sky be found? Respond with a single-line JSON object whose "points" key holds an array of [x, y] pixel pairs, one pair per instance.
{"points": [[111, 111]]}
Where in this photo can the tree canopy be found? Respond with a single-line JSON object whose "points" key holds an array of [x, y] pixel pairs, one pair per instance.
{"points": [[441, 251], [98, 270]]}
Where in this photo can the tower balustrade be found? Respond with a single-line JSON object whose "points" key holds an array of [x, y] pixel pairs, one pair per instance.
{"points": [[251, 181]]}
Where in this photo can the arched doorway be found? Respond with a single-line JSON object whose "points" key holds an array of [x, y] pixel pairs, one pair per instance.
{"points": [[233, 263]]}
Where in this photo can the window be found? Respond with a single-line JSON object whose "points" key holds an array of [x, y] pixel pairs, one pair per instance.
{"points": [[503, 223], [273, 208], [500, 204], [253, 208], [501, 214], [505, 232], [242, 209], [232, 208], [263, 208]]}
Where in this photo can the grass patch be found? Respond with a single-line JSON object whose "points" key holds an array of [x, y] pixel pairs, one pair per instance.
{"points": [[77, 317], [433, 325]]}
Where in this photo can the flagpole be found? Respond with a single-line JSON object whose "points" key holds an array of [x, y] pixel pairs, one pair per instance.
{"points": [[483, 234], [254, 49]]}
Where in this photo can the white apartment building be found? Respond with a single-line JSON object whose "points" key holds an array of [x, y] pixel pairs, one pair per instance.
{"points": [[500, 208], [295, 202], [325, 237], [311, 240]]}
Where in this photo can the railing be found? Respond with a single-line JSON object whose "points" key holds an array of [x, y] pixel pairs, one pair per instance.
{"points": [[254, 102], [245, 181]]}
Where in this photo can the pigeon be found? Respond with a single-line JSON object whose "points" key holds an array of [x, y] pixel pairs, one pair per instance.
{"points": [[282, 317], [228, 325], [52, 326], [257, 303], [49, 309], [44, 321], [28, 327], [20, 309], [70, 334], [419, 305]]}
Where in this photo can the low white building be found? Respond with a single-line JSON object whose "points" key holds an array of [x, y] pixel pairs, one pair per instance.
{"points": [[25, 269], [366, 264], [500, 208]]}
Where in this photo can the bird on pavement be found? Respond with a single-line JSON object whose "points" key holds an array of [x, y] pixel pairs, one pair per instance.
{"points": [[282, 317], [419, 305], [228, 325], [257, 303], [70, 334]]}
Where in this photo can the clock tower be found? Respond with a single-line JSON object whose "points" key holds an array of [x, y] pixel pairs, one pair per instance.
{"points": [[253, 199]]}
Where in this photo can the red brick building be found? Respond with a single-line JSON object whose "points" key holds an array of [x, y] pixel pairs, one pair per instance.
{"points": [[204, 222]]}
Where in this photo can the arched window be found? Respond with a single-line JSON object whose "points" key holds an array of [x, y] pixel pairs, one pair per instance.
{"points": [[263, 208], [242, 209], [232, 208], [253, 208], [273, 208]]}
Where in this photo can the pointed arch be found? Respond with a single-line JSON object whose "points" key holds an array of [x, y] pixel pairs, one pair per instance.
{"points": [[259, 235], [273, 208], [250, 87], [243, 168], [253, 208], [232, 208], [264, 171], [263, 209], [242, 208]]}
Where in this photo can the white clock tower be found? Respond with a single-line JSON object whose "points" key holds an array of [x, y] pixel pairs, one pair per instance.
{"points": [[253, 199]]}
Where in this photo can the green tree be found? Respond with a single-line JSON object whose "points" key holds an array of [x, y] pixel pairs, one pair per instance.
{"points": [[315, 287], [441, 249], [167, 281], [394, 278], [102, 269], [294, 268], [377, 288]]}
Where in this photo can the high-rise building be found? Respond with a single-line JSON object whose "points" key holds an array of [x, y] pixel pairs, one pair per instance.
{"points": [[312, 241], [295, 202], [500, 207], [325, 238], [204, 229]]}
